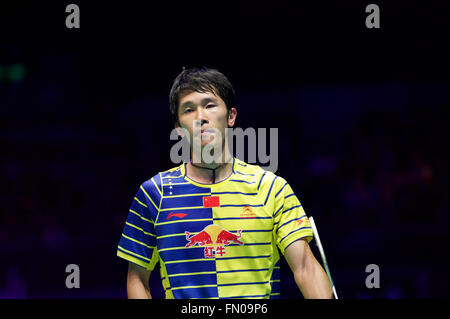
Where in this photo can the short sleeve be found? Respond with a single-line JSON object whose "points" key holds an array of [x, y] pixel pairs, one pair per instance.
{"points": [[290, 220], [138, 241]]}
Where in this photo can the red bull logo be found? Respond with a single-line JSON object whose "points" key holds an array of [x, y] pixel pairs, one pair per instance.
{"points": [[214, 238]]}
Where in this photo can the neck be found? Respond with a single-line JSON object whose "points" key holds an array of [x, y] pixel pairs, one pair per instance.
{"points": [[209, 173]]}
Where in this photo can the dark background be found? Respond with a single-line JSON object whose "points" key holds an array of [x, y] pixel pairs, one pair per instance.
{"points": [[362, 117]]}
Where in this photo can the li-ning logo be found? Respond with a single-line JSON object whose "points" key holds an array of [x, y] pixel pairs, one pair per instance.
{"points": [[214, 238], [179, 215]]}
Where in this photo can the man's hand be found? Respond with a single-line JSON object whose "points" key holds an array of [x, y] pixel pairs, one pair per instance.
{"points": [[309, 275], [138, 282]]}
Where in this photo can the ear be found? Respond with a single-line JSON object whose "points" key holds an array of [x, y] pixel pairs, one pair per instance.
{"points": [[232, 113]]}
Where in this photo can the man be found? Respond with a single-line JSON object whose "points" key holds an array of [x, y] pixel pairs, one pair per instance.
{"points": [[214, 226]]}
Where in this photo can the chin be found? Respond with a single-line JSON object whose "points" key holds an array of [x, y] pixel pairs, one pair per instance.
{"points": [[207, 139], [204, 143]]}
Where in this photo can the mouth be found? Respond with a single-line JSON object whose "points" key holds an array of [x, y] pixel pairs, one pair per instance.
{"points": [[205, 131]]}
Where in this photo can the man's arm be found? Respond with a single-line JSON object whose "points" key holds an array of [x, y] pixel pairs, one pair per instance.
{"points": [[309, 275], [138, 282]]}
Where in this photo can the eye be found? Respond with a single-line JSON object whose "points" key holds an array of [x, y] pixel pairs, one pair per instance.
{"points": [[188, 110], [210, 105]]}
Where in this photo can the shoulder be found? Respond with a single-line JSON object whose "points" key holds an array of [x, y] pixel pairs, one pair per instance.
{"points": [[241, 167], [263, 178], [155, 183]]}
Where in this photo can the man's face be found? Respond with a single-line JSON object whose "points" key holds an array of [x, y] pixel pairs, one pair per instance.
{"points": [[198, 113]]}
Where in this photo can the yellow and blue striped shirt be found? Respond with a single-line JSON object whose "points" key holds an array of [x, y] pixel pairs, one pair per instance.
{"points": [[214, 240]]}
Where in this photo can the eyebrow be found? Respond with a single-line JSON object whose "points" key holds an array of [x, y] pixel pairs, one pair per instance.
{"points": [[204, 101], [209, 100]]}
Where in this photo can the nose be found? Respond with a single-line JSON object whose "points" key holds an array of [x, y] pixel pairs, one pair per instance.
{"points": [[200, 114], [201, 117]]}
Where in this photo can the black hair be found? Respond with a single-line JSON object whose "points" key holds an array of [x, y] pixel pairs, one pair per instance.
{"points": [[201, 80]]}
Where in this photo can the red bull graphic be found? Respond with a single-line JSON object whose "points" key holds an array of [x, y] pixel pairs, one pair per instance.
{"points": [[214, 238]]}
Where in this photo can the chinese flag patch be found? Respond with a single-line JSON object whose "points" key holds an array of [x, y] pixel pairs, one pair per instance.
{"points": [[212, 201]]}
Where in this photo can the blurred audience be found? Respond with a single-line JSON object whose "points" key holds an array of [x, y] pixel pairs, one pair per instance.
{"points": [[67, 183]]}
